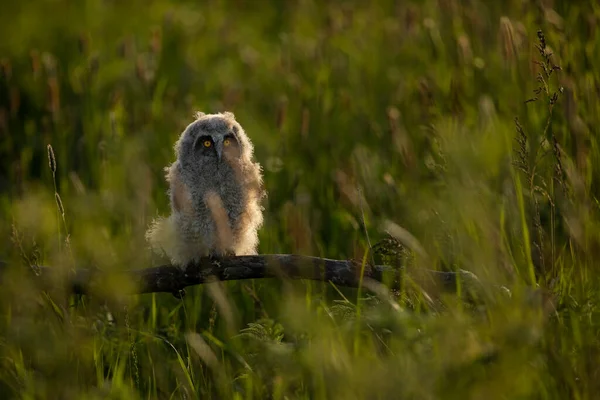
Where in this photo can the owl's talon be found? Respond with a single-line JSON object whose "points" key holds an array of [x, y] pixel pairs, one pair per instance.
{"points": [[214, 256]]}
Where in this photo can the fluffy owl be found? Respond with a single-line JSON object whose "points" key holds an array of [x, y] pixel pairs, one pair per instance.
{"points": [[215, 191]]}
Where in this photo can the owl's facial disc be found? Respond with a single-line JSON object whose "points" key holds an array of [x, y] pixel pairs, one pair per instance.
{"points": [[218, 145], [226, 146], [204, 145]]}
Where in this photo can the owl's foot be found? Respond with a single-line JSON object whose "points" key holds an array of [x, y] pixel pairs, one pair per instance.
{"points": [[228, 253], [215, 255]]}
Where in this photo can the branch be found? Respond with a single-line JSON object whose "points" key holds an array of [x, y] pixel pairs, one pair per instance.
{"points": [[170, 279]]}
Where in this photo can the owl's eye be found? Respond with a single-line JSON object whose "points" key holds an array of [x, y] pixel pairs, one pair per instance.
{"points": [[207, 143], [226, 142]]}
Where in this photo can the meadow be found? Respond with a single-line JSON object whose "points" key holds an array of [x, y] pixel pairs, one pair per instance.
{"points": [[467, 126]]}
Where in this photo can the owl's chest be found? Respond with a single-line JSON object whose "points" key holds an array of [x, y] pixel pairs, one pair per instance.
{"points": [[222, 182]]}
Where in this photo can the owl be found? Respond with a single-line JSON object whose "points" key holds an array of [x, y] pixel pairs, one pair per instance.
{"points": [[215, 191]]}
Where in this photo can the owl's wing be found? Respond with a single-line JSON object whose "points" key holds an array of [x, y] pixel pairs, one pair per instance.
{"points": [[181, 199], [249, 175]]}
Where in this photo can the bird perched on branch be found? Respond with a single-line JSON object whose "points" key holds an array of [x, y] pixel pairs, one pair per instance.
{"points": [[215, 192]]}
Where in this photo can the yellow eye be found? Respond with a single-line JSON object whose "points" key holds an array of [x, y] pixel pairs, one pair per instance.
{"points": [[226, 142], [207, 143]]}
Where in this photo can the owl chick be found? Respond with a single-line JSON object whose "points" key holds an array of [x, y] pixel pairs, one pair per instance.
{"points": [[215, 191]]}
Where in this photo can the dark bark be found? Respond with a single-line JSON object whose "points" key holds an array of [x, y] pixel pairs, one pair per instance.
{"points": [[170, 279]]}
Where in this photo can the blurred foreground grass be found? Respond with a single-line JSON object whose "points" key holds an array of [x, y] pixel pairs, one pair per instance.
{"points": [[401, 111]]}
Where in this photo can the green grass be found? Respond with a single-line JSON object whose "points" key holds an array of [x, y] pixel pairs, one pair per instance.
{"points": [[364, 116]]}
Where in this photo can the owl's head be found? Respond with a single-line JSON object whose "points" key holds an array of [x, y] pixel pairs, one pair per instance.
{"points": [[213, 139]]}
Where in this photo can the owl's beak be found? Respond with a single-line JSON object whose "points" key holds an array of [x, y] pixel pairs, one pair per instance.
{"points": [[219, 148]]}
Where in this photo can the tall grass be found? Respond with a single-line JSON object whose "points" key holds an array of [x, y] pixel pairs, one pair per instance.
{"points": [[445, 124]]}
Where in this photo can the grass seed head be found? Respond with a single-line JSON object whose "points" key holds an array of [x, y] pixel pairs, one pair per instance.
{"points": [[51, 159]]}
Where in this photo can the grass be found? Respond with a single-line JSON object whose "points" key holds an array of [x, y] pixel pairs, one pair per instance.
{"points": [[443, 122]]}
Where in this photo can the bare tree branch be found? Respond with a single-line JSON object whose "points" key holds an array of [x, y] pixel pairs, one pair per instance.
{"points": [[170, 279]]}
